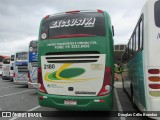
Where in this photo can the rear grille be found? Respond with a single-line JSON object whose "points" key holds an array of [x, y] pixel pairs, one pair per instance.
{"points": [[72, 57], [22, 68]]}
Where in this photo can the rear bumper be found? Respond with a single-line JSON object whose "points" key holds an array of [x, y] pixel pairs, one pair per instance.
{"points": [[83, 103], [21, 81]]}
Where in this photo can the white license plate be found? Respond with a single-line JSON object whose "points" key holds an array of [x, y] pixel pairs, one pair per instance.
{"points": [[70, 102]]}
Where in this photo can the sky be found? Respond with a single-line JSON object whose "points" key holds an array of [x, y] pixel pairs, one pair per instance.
{"points": [[20, 19]]}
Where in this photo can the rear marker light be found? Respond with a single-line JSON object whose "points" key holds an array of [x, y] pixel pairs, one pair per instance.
{"points": [[99, 100], [76, 11], [153, 71], [100, 11], [46, 17]]}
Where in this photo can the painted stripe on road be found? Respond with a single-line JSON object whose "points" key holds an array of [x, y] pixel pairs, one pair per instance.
{"points": [[119, 104], [7, 87], [32, 109], [15, 93]]}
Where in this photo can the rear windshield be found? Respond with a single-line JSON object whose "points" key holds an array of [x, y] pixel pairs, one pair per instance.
{"points": [[84, 23], [33, 46], [21, 56], [1, 59], [12, 57], [157, 13], [6, 61]]}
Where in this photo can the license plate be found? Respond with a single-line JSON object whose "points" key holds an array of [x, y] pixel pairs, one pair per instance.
{"points": [[70, 102]]}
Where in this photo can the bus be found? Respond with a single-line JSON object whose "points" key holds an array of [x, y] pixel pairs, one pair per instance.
{"points": [[32, 64], [75, 61], [1, 62], [21, 68], [141, 60], [5, 68], [11, 67]]}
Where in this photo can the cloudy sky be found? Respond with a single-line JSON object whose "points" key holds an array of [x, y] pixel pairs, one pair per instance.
{"points": [[20, 19]]}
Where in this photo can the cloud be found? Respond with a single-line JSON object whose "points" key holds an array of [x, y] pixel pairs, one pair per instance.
{"points": [[20, 19]]}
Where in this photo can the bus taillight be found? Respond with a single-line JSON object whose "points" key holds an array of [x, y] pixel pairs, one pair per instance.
{"points": [[41, 86], [154, 86], [14, 75], [153, 71], [106, 87]]}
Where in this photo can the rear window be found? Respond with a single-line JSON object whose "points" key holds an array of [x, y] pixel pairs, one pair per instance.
{"points": [[6, 61], [157, 13], [22, 56], [33, 47], [84, 23], [12, 57]]}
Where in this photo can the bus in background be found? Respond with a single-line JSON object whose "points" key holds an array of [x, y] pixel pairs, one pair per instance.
{"points": [[1, 61], [11, 67], [75, 61], [21, 68], [32, 64], [5, 68], [141, 60]]}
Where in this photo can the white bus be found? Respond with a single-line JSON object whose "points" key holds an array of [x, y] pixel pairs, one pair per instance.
{"points": [[1, 62], [11, 67], [21, 68], [141, 60], [32, 64], [5, 68]]}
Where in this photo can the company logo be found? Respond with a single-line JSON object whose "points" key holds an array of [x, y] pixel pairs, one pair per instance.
{"points": [[66, 75], [85, 92]]}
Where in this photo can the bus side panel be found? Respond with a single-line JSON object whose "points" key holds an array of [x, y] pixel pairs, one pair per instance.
{"points": [[136, 74]]}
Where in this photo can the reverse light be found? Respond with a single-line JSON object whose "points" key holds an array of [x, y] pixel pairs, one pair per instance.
{"points": [[153, 71], [99, 100]]}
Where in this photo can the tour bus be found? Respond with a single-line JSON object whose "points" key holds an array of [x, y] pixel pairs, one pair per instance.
{"points": [[5, 68], [11, 67], [21, 68], [32, 64], [1, 62], [141, 60], [75, 61]]}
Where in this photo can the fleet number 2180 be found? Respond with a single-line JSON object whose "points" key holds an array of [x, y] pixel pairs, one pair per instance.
{"points": [[49, 66]]}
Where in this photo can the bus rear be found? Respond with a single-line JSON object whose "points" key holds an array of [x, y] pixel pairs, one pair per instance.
{"points": [[11, 73], [21, 68], [5, 68], [32, 64], [75, 61]]}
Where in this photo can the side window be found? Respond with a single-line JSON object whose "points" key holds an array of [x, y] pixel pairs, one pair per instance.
{"points": [[134, 43], [137, 38], [130, 48], [141, 34]]}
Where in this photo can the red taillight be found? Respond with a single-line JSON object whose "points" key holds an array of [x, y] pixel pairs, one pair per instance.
{"points": [[46, 17], [75, 11], [14, 75], [40, 81], [41, 97], [29, 77], [100, 11], [154, 86], [106, 87], [153, 71]]}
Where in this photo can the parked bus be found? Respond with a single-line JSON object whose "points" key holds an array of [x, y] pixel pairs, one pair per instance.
{"points": [[11, 67], [32, 64], [5, 68], [1, 62], [75, 61], [141, 60], [21, 68]]}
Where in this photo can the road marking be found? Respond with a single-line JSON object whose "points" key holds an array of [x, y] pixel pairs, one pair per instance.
{"points": [[15, 93], [32, 109], [7, 87], [119, 104]]}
